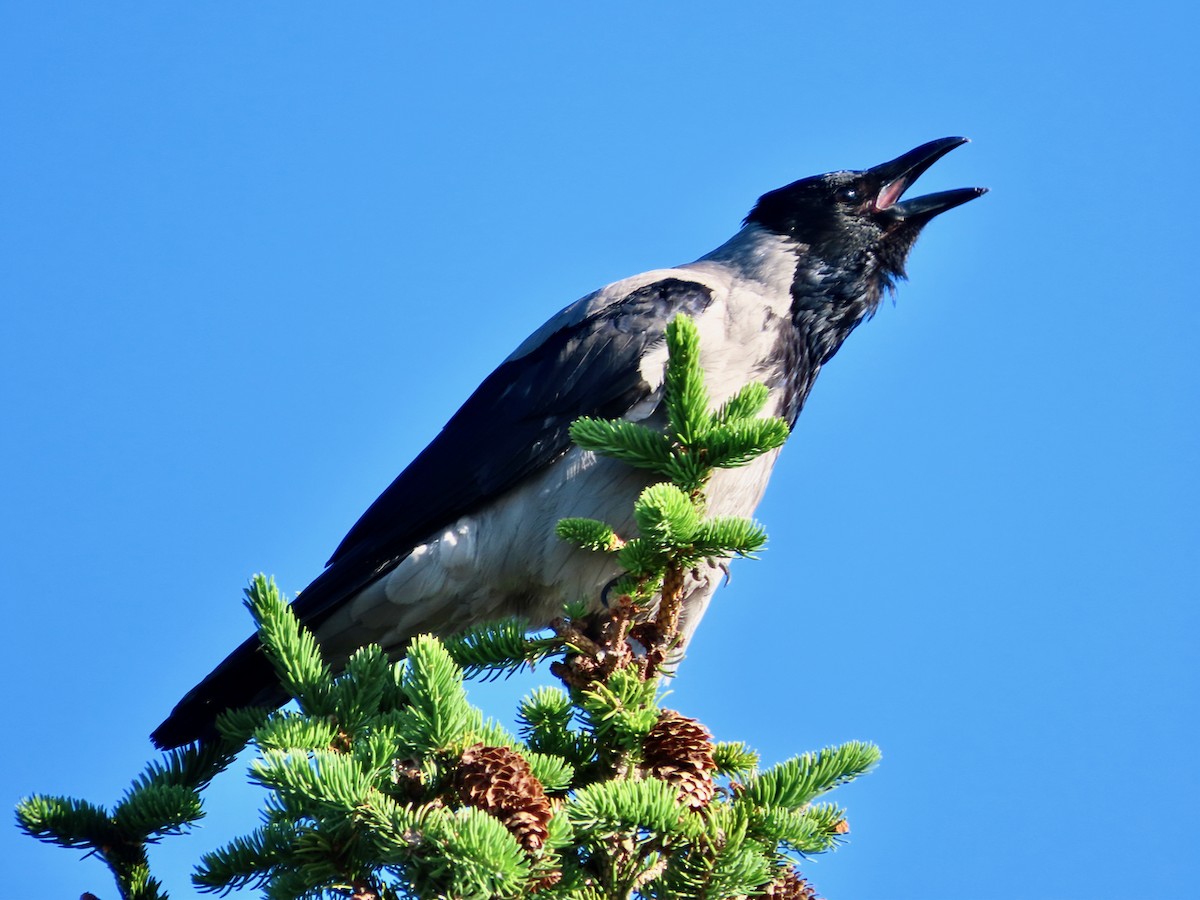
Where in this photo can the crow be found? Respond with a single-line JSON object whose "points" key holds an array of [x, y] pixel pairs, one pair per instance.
{"points": [[465, 534]]}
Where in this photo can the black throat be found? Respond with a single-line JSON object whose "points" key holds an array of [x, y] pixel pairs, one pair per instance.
{"points": [[828, 303]]}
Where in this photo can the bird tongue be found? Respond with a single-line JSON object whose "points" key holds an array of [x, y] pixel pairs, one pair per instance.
{"points": [[890, 193], [896, 176]]}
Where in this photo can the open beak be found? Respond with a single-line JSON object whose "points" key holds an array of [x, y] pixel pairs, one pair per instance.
{"points": [[895, 177]]}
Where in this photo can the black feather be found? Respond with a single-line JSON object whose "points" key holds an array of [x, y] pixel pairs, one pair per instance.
{"points": [[823, 249], [515, 424]]}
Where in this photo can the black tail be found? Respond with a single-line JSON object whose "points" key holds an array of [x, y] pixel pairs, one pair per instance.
{"points": [[245, 678]]}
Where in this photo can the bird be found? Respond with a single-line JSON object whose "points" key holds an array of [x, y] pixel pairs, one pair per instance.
{"points": [[465, 535]]}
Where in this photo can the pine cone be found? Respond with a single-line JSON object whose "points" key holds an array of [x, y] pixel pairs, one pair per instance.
{"points": [[789, 885], [679, 750], [500, 782]]}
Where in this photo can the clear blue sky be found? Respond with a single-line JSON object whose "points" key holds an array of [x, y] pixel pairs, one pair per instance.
{"points": [[253, 256]]}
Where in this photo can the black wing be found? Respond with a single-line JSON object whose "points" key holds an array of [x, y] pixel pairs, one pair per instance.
{"points": [[514, 424]]}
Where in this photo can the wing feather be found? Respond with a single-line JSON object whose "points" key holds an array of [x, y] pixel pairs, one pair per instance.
{"points": [[514, 424], [585, 361]]}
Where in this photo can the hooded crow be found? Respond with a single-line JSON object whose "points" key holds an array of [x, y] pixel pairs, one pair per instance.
{"points": [[465, 534]]}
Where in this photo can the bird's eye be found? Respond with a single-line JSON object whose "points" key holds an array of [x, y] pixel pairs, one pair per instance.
{"points": [[848, 194]]}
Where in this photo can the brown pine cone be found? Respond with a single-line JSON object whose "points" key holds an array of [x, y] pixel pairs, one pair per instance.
{"points": [[790, 885], [500, 782], [679, 750]]}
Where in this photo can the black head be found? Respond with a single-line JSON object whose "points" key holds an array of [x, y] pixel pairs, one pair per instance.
{"points": [[851, 228]]}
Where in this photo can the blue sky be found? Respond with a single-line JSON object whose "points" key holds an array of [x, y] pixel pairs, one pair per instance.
{"points": [[253, 256]]}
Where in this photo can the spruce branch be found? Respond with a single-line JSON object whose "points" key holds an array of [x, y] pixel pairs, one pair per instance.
{"points": [[674, 534], [438, 713], [814, 829], [545, 722], [637, 445], [799, 780], [247, 861], [740, 442], [684, 393], [153, 812], [639, 808], [291, 649], [588, 534], [377, 795], [747, 403], [388, 783], [163, 800], [726, 536], [734, 759], [288, 731], [643, 558], [65, 821], [544, 715], [499, 649], [551, 769], [666, 515]]}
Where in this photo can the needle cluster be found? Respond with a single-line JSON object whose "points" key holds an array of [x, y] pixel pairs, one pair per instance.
{"points": [[385, 782]]}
